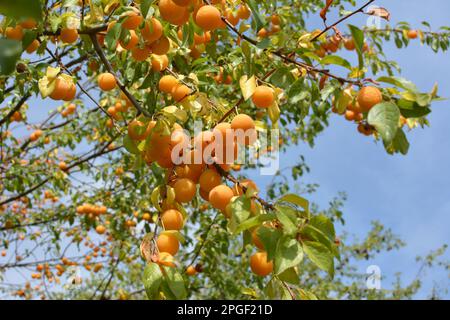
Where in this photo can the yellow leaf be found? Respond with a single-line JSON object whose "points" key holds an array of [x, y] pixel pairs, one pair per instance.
{"points": [[274, 114], [193, 76], [46, 87], [70, 20], [96, 13], [260, 125], [176, 112], [110, 5], [344, 100], [248, 86], [170, 195], [52, 73], [66, 77], [155, 197]]}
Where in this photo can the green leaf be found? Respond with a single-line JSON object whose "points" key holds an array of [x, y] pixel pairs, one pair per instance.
{"points": [[399, 82], [324, 225], [256, 17], [113, 36], [255, 221], [282, 78], [145, 7], [297, 200], [320, 255], [321, 229], [175, 282], [263, 44], [289, 275], [306, 295], [21, 9], [9, 54], [275, 290], [384, 117], [287, 219], [269, 238], [241, 210], [339, 61], [399, 144], [152, 279], [358, 38], [289, 254], [411, 109], [129, 144]]}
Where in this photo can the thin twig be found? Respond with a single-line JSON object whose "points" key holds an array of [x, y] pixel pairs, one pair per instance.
{"points": [[361, 9], [108, 66]]}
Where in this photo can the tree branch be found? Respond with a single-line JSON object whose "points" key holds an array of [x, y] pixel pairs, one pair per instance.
{"points": [[361, 9], [108, 66]]}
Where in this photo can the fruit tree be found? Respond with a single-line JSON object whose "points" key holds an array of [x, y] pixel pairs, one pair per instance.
{"points": [[144, 173]]}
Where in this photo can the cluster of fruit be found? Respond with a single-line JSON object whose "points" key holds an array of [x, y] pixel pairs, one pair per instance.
{"points": [[91, 210], [359, 106], [64, 88], [274, 28]]}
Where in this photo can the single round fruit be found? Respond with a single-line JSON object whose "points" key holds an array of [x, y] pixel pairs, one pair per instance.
{"points": [[263, 97], [166, 259], [167, 83], [249, 184], [159, 63], [185, 190], [242, 121], [368, 97], [170, 11], [167, 242], [209, 179], [180, 92], [200, 142], [182, 3], [243, 12], [33, 46], [190, 271], [14, 33], [161, 46], [220, 196], [365, 129], [152, 32], [63, 166], [275, 19], [172, 219], [29, 23], [247, 125], [71, 93], [204, 195], [183, 19], [60, 90], [412, 34], [140, 54], [208, 18], [262, 33], [349, 44], [231, 17], [107, 81], [132, 21], [259, 264], [137, 130], [100, 229], [69, 35], [130, 42], [350, 115]]}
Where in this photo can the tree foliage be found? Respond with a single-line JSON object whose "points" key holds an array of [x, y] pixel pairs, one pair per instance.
{"points": [[93, 185]]}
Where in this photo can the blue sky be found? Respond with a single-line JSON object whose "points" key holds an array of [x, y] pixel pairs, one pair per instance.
{"points": [[409, 194]]}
